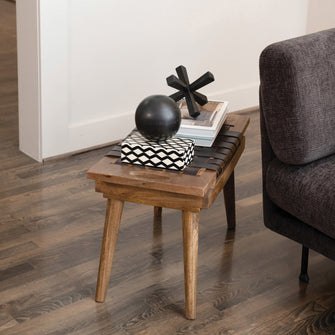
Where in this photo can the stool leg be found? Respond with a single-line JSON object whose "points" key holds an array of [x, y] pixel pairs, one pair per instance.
{"points": [[190, 243], [157, 211], [111, 230], [229, 199]]}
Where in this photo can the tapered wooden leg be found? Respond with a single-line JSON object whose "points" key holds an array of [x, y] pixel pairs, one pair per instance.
{"points": [[111, 230], [157, 211], [229, 199], [190, 243]]}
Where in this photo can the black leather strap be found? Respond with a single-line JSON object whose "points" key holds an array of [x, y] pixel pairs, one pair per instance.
{"points": [[213, 158]]}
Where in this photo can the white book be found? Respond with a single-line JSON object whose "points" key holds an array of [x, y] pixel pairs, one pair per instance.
{"points": [[200, 141], [207, 124], [204, 129]]}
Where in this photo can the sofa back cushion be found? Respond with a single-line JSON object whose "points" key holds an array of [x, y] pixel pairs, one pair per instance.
{"points": [[297, 96]]}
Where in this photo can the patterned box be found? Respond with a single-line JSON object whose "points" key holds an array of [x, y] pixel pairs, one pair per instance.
{"points": [[174, 153]]}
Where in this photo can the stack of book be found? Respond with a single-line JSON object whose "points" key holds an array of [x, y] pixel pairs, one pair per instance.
{"points": [[204, 129]]}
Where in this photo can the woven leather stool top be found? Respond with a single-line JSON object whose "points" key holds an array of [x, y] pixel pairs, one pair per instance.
{"points": [[213, 158]]}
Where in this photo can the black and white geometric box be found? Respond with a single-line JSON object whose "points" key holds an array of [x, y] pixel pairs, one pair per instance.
{"points": [[174, 153]]}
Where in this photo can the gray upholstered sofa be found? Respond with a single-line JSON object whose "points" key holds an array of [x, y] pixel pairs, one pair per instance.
{"points": [[297, 102]]}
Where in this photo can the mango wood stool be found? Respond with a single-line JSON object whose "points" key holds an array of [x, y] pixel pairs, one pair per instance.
{"points": [[211, 171]]}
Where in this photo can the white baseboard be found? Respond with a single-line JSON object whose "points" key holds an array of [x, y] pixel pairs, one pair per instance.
{"points": [[98, 132], [239, 98], [94, 133]]}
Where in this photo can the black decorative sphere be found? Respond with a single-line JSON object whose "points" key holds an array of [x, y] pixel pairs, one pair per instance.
{"points": [[157, 117]]}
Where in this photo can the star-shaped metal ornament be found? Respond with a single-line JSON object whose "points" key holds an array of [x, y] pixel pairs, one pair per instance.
{"points": [[188, 90]]}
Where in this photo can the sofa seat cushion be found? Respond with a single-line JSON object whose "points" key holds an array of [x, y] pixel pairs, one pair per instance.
{"points": [[306, 191]]}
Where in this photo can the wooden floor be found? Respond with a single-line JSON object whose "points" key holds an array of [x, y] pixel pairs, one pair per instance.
{"points": [[50, 235]]}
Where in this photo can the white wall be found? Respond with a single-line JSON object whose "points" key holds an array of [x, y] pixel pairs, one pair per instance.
{"points": [[100, 58], [321, 15]]}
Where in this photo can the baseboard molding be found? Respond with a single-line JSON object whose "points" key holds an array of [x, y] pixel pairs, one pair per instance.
{"points": [[106, 144], [239, 98], [81, 151], [93, 134], [97, 133], [249, 110]]}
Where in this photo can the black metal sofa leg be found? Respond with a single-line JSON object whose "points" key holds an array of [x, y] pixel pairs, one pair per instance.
{"points": [[304, 265]]}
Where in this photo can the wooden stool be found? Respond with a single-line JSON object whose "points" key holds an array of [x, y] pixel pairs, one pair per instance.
{"points": [[188, 193]]}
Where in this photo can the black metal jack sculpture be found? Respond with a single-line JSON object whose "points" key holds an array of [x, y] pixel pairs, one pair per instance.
{"points": [[188, 90]]}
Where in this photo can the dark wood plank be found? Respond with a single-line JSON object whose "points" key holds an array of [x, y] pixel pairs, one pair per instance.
{"points": [[15, 271], [17, 249], [6, 321]]}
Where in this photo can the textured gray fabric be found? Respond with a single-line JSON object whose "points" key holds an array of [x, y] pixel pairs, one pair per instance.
{"points": [[306, 191], [299, 139], [298, 96], [281, 221], [287, 225]]}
